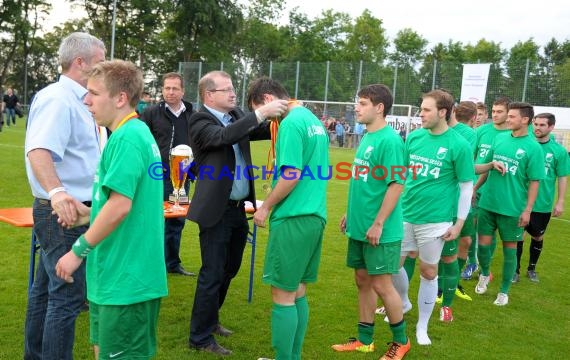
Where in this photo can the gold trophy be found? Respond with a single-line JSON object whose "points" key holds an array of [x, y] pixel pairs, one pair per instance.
{"points": [[180, 158]]}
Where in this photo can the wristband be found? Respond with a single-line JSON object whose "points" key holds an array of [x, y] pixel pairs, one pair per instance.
{"points": [[81, 247], [56, 190]]}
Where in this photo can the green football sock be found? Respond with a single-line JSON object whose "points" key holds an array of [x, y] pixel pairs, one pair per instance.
{"points": [[461, 263], [493, 246], [302, 306], [450, 282], [399, 332], [284, 320], [410, 266], [509, 268], [484, 255], [472, 253], [365, 332]]}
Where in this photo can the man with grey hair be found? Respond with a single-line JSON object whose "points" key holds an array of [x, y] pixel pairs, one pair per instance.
{"points": [[62, 151]]}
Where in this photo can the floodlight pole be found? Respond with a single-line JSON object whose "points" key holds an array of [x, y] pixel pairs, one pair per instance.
{"points": [[113, 29]]}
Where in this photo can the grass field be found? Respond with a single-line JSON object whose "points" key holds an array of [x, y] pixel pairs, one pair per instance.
{"points": [[535, 324]]}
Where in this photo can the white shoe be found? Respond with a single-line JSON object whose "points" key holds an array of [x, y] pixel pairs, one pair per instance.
{"points": [[406, 307], [502, 299], [422, 336], [481, 287]]}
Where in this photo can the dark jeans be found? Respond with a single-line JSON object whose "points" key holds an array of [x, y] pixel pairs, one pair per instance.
{"points": [[221, 248], [53, 304], [173, 231], [340, 139], [10, 114]]}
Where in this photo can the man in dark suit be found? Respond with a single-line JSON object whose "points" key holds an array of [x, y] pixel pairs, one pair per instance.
{"points": [[219, 136], [168, 122]]}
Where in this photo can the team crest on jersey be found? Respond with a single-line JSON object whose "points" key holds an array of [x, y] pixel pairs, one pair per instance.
{"points": [[520, 154], [368, 152], [441, 153], [549, 157]]}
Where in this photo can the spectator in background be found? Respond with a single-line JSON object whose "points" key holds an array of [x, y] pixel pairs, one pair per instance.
{"points": [[339, 131], [348, 135], [1, 110], [144, 102], [358, 133], [10, 101], [402, 132], [168, 122], [331, 129]]}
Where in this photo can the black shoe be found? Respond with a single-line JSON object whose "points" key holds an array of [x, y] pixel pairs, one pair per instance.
{"points": [[213, 348], [222, 331], [180, 270]]}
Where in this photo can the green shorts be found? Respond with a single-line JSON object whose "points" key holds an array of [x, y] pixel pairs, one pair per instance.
{"points": [[508, 226], [124, 331], [449, 248], [469, 226], [293, 252], [377, 260]]}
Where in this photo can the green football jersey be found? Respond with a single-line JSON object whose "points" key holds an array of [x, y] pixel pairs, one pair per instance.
{"points": [[438, 163], [468, 134], [127, 267], [524, 161], [485, 136], [379, 161], [556, 165], [302, 143]]}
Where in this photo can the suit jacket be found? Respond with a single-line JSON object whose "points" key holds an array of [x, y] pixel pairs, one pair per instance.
{"points": [[211, 145]]}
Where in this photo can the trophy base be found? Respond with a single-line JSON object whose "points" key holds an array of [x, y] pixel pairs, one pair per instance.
{"points": [[183, 200]]}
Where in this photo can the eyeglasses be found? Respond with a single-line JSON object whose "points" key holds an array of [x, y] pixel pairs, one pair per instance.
{"points": [[230, 90]]}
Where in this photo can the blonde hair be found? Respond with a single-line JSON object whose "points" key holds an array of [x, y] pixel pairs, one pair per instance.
{"points": [[120, 76]]}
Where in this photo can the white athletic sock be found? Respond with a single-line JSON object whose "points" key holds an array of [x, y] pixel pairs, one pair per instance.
{"points": [[426, 302], [422, 336], [402, 284]]}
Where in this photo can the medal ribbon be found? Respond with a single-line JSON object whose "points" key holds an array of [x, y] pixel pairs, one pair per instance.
{"points": [[273, 128], [132, 115]]}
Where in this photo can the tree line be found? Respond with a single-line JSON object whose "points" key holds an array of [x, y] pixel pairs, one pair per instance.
{"points": [[159, 34]]}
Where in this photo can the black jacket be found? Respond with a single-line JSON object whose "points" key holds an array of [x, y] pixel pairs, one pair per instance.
{"points": [[212, 145], [160, 121]]}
